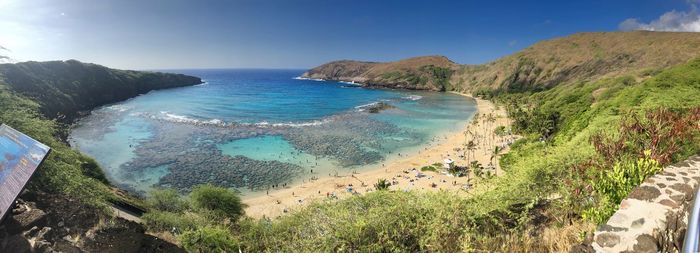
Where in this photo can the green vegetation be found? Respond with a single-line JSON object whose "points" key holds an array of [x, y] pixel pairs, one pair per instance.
{"points": [[42, 98], [425, 77], [167, 200], [558, 178], [429, 168], [64, 171], [219, 201], [440, 76], [65, 88], [208, 239], [382, 185], [612, 186]]}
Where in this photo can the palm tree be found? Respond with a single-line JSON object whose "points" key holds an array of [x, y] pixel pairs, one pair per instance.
{"points": [[500, 131], [382, 185], [477, 168], [491, 119], [495, 153], [471, 146]]}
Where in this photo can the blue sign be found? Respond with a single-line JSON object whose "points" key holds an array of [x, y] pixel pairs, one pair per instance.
{"points": [[20, 155]]}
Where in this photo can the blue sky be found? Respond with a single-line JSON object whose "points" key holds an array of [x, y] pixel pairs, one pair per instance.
{"points": [[303, 33]]}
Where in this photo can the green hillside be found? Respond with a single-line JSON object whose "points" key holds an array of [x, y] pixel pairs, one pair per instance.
{"points": [[39, 98], [66, 88], [582, 111], [556, 188]]}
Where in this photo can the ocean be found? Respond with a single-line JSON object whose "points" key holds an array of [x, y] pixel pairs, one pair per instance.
{"points": [[252, 129]]}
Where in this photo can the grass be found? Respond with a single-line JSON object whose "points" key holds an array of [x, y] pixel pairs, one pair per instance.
{"points": [[533, 207], [64, 171]]}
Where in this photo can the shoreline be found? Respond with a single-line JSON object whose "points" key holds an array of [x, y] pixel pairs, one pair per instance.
{"points": [[397, 169]]}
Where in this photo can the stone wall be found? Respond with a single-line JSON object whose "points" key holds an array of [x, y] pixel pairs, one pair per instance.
{"points": [[654, 216]]}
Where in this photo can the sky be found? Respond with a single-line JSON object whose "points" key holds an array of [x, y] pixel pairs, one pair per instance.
{"points": [[172, 34]]}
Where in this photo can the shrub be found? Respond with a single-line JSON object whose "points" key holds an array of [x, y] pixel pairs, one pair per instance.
{"points": [[382, 185], [613, 185], [209, 239], [220, 201], [661, 132], [166, 200], [428, 168], [172, 222]]}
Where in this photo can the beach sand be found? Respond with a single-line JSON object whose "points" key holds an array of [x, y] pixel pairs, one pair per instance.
{"points": [[399, 169]]}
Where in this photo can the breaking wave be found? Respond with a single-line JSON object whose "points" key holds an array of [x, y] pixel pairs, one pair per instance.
{"points": [[175, 118], [413, 97], [306, 78], [119, 108]]}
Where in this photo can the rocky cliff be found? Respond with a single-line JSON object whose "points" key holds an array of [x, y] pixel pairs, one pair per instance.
{"points": [[424, 73], [581, 56], [66, 88]]}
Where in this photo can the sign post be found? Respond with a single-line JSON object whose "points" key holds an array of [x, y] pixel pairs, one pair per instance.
{"points": [[20, 156]]}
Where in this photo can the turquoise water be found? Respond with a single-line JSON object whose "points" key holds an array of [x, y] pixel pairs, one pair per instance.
{"points": [[250, 129]]}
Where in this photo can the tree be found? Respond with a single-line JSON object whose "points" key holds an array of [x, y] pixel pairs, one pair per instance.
{"points": [[209, 239], [455, 170], [500, 131], [477, 168], [495, 154], [220, 201], [471, 146], [491, 119], [382, 185], [166, 200]]}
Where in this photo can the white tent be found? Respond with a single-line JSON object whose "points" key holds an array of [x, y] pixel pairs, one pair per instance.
{"points": [[448, 163]]}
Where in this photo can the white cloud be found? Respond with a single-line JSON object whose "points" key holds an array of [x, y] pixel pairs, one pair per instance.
{"points": [[672, 21]]}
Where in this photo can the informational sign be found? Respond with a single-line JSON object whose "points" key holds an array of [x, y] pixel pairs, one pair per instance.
{"points": [[20, 155]]}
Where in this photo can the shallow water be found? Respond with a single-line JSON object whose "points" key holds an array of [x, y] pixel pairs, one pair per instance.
{"points": [[250, 129]]}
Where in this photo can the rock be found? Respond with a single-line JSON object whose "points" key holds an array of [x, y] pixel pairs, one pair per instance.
{"points": [[646, 192], [31, 218], [122, 237], [685, 189], [637, 223], [16, 244], [646, 243], [608, 228], [618, 218], [669, 203], [43, 246], [607, 239]]}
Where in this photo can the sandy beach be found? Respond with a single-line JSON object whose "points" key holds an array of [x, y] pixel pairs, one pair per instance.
{"points": [[398, 169]]}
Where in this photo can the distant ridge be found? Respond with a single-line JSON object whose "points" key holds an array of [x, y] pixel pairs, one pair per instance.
{"points": [[66, 88], [581, 56], [424, 73]]}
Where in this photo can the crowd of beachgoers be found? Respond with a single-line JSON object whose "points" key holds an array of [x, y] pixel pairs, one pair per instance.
{"points": [[473, 144]]}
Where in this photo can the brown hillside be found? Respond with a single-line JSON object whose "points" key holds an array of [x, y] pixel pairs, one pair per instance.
{"points": [[582, 56], [412, 73], [579, 57]]}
